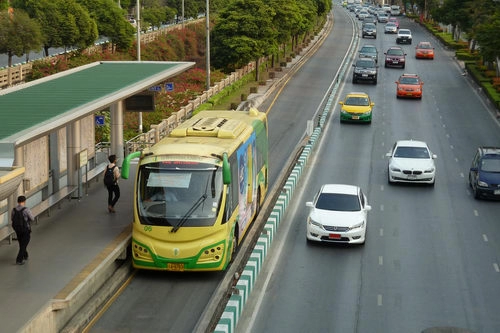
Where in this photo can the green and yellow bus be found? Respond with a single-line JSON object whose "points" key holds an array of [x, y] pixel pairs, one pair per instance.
{"points": [[198, 190]]}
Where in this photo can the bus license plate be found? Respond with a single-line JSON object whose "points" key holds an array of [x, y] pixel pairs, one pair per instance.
{"points": [[172, 266], [334, 236]]}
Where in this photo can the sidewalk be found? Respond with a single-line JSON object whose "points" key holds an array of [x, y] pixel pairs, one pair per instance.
{"points": [[62, 246]]}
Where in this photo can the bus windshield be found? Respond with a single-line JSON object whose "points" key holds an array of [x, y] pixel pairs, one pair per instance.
{"points": [[168, 194]]}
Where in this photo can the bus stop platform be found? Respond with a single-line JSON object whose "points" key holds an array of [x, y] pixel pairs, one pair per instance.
{"points": [[67, 254]]}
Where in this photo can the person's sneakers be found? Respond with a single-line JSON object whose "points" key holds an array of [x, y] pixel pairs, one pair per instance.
{"points": [[20, 262]]}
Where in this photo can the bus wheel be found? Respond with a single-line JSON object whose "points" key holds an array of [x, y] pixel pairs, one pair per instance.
{"points": [[257, 207], [234, 245]]}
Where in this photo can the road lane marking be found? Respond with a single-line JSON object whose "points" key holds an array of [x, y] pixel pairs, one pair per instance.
{"points": [[381, 208], [476, 213], [485, 238], [379, 300], [381, 232], [462, 175], [497, 269], [381, 187], [381, 260]]}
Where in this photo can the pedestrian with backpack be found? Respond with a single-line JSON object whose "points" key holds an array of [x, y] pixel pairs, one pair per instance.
{"points": [[21, 218], [111, 175]]}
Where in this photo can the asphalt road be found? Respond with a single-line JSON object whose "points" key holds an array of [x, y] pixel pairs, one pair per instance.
{"points": [[431, 256], [168, 302]]}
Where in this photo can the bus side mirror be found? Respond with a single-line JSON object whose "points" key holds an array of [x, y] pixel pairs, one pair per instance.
{"points": [[126, 164], [226, 170]]}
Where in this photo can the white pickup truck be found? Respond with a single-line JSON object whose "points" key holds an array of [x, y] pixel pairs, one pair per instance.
{"points": [[395, 10]]}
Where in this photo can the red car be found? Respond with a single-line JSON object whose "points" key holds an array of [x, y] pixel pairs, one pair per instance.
{"points": [[424, 50], [394, 20], [409, 85], [395, 57]]}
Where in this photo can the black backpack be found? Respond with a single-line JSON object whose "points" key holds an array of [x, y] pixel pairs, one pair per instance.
{"points": [[18, 221], [109, 176]]}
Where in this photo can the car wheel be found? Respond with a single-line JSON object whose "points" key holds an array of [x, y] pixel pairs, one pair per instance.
{"points": [[403, 67], [475, 192], [354, 80], [385, 65], [389, 179], [375, 81]]}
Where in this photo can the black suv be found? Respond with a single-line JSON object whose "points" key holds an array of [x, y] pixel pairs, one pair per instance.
{"points": [[484, 173], [365, 69], [369, 30]]}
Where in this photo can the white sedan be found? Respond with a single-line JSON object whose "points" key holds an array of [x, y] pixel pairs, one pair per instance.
{"points": [[411, 162], [338, 215]]}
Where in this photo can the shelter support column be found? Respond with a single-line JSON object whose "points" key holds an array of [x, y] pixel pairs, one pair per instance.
{"points": [[117, 131], [73, 136]]}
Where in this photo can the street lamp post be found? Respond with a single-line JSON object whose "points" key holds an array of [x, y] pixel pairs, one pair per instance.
{"points": [[208, 46], [138, 21]]}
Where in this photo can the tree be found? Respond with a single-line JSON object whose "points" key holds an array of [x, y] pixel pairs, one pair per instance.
{"points": [[244, 32], [111, 22], [287, 17], [454, 12], [19, 35], [64, 23], [488, 37]]}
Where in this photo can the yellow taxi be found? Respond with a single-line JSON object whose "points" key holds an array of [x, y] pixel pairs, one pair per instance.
{"points": [[356, 107]]}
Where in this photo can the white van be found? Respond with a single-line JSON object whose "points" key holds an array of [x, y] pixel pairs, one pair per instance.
{"points": [[395, 10]]}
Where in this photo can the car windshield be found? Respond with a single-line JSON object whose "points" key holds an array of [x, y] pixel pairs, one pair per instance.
{"points": [[408, 80], [490, 164], [365, 63], [338, 202], [411, 152], [424, 46], [404, 32], [398, 52], [363, 101]]}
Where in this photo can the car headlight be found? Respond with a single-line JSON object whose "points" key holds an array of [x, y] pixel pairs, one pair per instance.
{"points": [[429, 170], [367, 112], [481, 183], [388, 59], [395, 169], [314, 223], [343, 111], [357, 226]]}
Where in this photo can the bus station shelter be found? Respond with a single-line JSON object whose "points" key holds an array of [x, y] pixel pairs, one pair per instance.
{"points": [[47, 126]]}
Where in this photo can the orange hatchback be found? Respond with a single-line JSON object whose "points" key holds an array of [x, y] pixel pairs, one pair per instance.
{"points": [[424, 50], [409, 85]]}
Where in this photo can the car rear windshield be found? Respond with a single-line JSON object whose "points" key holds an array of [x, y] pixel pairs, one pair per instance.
{"points": [[408, 80], [365, 63], [362, 101], [395, 52], [411, 152], [338, 202], [490, 164]]}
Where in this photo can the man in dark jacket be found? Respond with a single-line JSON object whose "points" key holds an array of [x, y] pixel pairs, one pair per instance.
{"points": [[22, 228]]}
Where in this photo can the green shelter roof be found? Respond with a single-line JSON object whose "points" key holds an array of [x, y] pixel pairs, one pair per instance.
{"points": [[34, 109]]}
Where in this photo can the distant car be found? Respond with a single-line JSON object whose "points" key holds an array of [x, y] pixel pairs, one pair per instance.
{"points": [[409, 85], [362, 14], [395, 57], [357, 107], [404, 36], [382, 18], [393, 20], [369, 51], [370, 19], [369, 30], [411, 162], [424, 50], [390, 28], [387, 9], [338, 215], [484, 173]]}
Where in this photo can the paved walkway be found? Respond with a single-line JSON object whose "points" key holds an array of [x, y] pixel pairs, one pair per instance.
{"points": [[61, 246]]}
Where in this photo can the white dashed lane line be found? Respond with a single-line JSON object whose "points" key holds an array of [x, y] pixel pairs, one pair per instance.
{"points": [[485, 238], [497, 269]]}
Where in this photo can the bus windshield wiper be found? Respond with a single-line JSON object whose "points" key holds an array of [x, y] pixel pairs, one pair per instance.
{"points": [[189, 212]]}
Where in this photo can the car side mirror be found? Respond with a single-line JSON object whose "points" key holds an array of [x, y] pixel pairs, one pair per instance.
{"points": [[309, 204], [368, 208], [389, 154], [473, 169], [434, 156], [341, 103], [372, 103]]}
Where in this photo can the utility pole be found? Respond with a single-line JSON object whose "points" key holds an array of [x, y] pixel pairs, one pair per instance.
{"points": [[138, 21], [208, 46]]}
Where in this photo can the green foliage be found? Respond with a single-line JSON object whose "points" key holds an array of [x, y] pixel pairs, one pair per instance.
{"points": [[19, 34]]}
